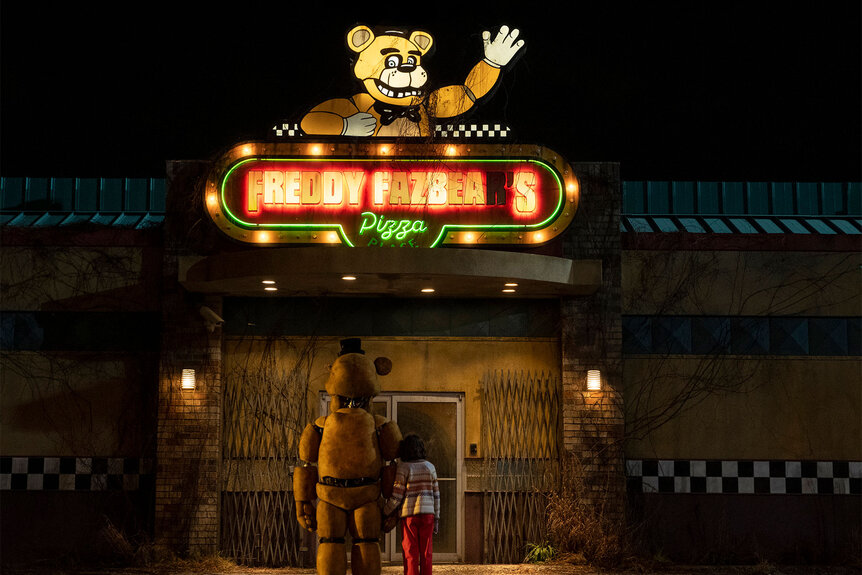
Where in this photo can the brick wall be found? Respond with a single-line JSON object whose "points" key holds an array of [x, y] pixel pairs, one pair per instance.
{"points": [[593, 423], [188, 457]]}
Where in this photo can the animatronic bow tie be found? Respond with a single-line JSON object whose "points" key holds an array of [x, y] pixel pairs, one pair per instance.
{"points": [[389, 113]]}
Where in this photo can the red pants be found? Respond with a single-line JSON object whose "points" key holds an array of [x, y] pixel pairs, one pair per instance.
{"points": [[417, 542]]}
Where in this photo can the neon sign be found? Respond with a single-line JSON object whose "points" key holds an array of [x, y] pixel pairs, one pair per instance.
{"points": [[403, 197]]}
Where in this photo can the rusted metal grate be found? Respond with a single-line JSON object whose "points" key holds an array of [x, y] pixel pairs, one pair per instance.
{"points": [[520, 435], [265, 410]]}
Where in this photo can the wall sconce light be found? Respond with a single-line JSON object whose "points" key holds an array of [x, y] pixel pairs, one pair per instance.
{"points": [[594, 380], [188, 380]]}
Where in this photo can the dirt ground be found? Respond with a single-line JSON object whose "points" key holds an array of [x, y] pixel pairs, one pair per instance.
{"points": [[544, 569]]}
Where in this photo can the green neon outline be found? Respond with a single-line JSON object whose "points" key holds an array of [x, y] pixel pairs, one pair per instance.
{"points": [[443, 231]]}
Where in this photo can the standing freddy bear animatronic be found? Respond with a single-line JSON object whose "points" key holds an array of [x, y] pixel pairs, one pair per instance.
{"points": [[350, 447], [388, 63]]}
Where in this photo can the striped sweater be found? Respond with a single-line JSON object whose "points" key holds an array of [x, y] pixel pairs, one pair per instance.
{"points": [[415, 490]]}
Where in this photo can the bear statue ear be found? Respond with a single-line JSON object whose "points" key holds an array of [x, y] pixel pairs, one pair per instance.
{"points": [[423, 40], [383, 365], [359, 38]]}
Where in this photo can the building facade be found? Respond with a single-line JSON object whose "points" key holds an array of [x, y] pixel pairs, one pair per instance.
{"points": [[722, 319]]}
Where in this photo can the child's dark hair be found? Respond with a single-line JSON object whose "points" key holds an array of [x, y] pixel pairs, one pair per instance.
{"points": [[412, 448]]}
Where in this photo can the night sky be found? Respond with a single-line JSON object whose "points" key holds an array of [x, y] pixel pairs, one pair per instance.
{"points": [[757, 91]]}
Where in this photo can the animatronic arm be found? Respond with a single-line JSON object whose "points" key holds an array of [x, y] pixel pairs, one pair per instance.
{"points": [[455, 100], [305, 477], [390, 439]]}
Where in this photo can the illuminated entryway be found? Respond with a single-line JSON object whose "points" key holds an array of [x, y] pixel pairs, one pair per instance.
{"points": [[439, 420]]}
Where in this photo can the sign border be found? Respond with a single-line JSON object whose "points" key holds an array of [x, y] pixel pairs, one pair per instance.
{"points": [[333, 234]]}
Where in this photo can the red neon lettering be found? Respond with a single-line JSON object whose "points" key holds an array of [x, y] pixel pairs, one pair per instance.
{"points": [[524, 184]]}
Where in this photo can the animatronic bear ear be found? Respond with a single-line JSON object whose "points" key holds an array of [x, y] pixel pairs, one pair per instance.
{"points": [[383, 365], [359, 38], [423, 40]]}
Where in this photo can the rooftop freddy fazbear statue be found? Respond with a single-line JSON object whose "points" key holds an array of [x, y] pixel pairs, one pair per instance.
{"points": [[350, 447], [395, 100]]}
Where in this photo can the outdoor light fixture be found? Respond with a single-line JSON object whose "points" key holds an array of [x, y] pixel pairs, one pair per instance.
{"points": [[594, 380], [188, 380]]}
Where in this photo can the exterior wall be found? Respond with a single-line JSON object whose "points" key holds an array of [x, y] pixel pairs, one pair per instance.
{"points": [[438, 365], [79, 354], [189, 433], [742, 400], [591, 339]]}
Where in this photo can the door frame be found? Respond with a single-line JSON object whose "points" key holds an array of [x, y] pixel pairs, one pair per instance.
{"points": [[392, 553]]}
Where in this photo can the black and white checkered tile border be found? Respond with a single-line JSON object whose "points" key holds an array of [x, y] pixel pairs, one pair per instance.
{"points": [[286, 130], [74, 473], [471, 131], [468, 131], [745, 476]]}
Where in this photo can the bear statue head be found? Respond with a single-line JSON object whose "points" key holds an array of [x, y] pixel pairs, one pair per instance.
{"points": [[389, 63], [353, 377]]}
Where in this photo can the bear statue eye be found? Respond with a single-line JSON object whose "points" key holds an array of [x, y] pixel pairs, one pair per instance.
{"points": [[411, 61], [393, 61]]}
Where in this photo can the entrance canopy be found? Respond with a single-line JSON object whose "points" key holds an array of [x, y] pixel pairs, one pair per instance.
{"points": [[449, 272]]}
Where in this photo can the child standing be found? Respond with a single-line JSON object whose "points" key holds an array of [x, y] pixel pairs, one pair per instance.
{"points": [[417, 494]]}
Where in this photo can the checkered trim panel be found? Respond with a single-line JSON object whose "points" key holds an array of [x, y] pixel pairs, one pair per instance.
{"points": [[286, 130], [472, 131], [448, 131], [744, 476], [75, 474]]}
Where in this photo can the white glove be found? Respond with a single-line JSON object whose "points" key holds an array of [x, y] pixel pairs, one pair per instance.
{"points": [[503, 48], [359, 124]]}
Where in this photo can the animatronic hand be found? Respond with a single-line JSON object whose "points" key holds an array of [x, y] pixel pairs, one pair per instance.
{"points": [[390, 522], [359, 124], [503, 48]]}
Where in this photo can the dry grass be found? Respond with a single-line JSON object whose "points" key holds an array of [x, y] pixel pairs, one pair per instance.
{"points": [[579, 527]]}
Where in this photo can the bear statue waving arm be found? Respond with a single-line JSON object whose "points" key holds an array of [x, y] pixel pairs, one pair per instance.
{"points": [[451, 101], [394, 100], [305, 477]]}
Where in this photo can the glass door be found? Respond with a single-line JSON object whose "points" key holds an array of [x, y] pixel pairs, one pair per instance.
{"points": [[439, 420]]}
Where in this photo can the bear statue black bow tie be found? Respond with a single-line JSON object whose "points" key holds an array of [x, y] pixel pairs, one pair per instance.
{"points": [[389, 113]]}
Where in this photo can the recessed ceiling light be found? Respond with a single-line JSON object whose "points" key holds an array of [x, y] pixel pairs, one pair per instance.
{"points": [[270, 289], [348, 278], [268, 282], [427, 290], [508, 290], [511, 284]]}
